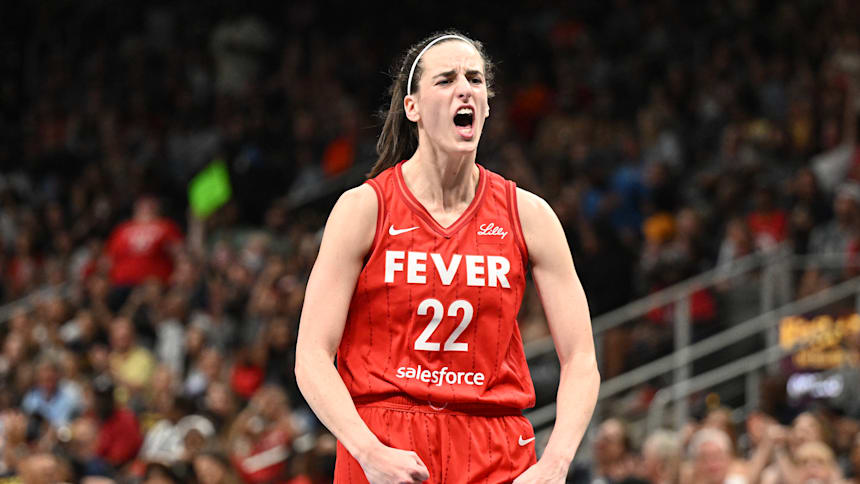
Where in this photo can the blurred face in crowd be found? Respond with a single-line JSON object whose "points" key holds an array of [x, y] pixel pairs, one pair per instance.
{"points": [[219, 400], [210, 363], [47, 377], [845, 208], [146, 209], [121, 335], [660, 458], [279, 333], [609, 443], [816, 463], [85, 435], [39, 469], [712, 462], [209, 470], [805, 429], [452, 76], [757, 424], [13, 348]]}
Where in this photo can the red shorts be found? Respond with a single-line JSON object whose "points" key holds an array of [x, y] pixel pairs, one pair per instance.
{"points": [[463, 444]]}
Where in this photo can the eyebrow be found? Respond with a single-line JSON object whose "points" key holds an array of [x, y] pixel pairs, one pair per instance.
{"points": [[470, 72]]}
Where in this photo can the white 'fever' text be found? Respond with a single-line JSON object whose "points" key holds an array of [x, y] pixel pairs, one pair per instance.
{"points": [[481, 271]]}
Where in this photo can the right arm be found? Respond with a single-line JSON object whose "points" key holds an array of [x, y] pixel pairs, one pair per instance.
{"points": [[346, 241]]}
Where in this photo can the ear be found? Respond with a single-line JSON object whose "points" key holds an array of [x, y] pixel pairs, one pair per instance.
{"points": [[487, 109], [410, 107]]}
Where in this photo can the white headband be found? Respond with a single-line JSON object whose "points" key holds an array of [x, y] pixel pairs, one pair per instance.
{"points": [[418, 57]]}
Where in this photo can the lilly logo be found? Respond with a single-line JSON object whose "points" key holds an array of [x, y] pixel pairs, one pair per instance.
{"points": [[491, 229]]}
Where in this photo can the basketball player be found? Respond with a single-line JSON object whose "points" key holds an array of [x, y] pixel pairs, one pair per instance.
{"points": [[416, 290]]}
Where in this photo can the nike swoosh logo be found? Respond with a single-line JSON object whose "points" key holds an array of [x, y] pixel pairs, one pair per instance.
{"points": [[393, 231], [523, 442]]}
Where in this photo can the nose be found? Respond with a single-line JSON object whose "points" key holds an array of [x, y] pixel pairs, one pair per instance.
{"points": [[462, 88]]}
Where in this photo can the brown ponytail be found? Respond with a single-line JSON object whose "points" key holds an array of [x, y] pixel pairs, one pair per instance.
{"points": [[399, 137]]}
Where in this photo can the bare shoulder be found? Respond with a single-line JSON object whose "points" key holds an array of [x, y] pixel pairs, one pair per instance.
{"points": [[352, 223], [536, 216], [542, 231], [531, 205], [360, 200]]}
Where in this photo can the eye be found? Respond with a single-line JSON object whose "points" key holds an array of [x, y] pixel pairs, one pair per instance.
{"points": [[443, 81], [477, 80]]}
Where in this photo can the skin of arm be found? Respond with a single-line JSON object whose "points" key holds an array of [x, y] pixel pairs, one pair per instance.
{"points": [[567, 315], [346, 241]]}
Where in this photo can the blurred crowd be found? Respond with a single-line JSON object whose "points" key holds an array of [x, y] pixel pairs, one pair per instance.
{"points": [[815, 447], [668, 136]]}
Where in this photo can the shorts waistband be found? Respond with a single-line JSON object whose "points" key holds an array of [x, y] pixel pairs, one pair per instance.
{"points": [[410, 404]]}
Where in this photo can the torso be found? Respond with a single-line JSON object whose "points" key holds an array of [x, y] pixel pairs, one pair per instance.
{"points": [[433, 315]]}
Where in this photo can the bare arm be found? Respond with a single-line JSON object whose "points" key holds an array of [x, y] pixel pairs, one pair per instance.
{"points": [[569, 322], [347, 239]]}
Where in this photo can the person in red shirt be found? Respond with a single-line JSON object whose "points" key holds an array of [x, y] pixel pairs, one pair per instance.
{"points": [[767, 222], [144, 246], [119, 436], [416, 289]]}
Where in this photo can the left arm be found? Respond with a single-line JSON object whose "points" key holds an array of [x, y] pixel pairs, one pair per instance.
{"points": [[569, 322]]}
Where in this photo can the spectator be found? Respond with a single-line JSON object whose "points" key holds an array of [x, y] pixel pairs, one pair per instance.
{"points": [[816, 463], [661, 458], [83, 449], [613, 460], [143, 247], [212, 467], [131, 365], [119, 432], [41, 469], [834, 238], [56, 400], [263, 429], [711, 453]]}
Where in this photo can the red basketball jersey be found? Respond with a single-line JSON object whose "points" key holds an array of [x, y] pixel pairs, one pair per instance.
{"points": [[433, 315]]}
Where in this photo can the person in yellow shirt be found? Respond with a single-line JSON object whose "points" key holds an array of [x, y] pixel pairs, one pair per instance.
{"points": [[131, 365]]}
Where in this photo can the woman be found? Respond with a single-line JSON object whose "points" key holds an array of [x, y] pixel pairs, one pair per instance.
{"points": [[416, 290]]}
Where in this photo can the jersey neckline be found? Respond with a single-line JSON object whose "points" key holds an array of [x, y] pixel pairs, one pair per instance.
{"points": [[425, 215]]}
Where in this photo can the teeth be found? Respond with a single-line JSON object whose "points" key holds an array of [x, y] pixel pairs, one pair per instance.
{"points": [[464, 111]]}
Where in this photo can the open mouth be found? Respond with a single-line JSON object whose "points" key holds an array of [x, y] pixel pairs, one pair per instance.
{"points": [[463, 122]]}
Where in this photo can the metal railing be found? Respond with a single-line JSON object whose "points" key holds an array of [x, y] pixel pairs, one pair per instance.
{"points": [[677, 295], [775, 290]]}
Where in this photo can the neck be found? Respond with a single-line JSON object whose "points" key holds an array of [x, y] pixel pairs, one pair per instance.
{"points": [[439, 180]]}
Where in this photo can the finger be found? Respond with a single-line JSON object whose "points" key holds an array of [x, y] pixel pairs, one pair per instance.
{"points": [[422, 473]]}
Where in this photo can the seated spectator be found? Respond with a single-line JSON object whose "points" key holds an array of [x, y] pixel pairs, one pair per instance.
{"points": [[816, 464], [40, 469], [131, 365], [809, 208], [661, 458], [83, 449], [767, 222], [58, 401], [208, 368], [834, 238], [613, 458], [165, 441], [261, 437], [212, 467], [119, 432], [711, 454]]}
